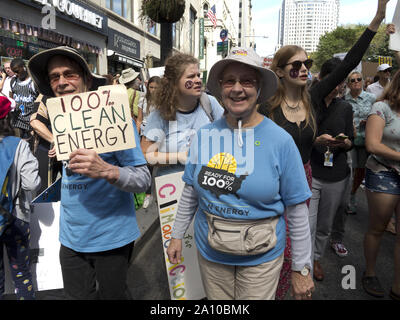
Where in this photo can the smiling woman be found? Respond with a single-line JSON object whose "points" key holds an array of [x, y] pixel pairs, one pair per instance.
{"points": [[238, 206]]}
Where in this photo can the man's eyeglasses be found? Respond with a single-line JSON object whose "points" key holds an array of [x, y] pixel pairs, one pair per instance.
{"points": [[68, 75], [355, 80], [297, 64], [245, 83]]}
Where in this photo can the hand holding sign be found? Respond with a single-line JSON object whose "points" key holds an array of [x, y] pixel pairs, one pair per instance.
{"points": [[98, 120], [88, 163]]}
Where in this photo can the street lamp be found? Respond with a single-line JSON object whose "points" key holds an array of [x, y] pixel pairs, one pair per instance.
{"points": [[252, 44]]}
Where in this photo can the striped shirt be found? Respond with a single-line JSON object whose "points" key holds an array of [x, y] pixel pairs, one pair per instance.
{"points": [[24, 94]]}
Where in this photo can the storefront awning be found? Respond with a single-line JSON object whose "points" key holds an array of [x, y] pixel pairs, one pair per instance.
{"points": [[125, 59]]}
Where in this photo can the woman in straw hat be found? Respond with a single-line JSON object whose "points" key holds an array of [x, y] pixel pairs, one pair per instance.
{"points": [[243, 172], [18, 178]]}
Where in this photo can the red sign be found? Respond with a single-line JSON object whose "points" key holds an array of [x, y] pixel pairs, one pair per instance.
{"points": [[14, 52], [267, 62]]}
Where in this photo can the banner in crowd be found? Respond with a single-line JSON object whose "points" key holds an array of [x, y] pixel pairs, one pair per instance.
{"points": [[99, 120], [51, 194], [184, 279], [44, 249], [394, 41]]}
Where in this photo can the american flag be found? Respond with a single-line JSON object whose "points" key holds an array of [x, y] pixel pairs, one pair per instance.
{"points": [[211, 16]]}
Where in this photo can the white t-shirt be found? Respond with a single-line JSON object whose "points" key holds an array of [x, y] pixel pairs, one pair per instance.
{"points": [[7, 87], [375, 88]]}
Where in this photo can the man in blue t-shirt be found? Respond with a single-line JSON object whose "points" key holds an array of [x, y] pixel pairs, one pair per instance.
{"points": [[98, 224]]}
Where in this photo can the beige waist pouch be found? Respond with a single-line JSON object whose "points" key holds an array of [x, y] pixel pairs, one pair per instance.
{"points": [[241, 237]]}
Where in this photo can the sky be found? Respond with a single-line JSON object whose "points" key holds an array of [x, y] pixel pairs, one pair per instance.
{"points": [[265, 19]]}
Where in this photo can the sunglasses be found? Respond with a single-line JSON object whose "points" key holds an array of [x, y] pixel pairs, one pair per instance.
{"points": [[297, 64], [245, 83], [355, 80], [68, 75]]}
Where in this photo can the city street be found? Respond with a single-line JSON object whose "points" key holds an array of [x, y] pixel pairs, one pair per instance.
{"points": [[147, 279]]}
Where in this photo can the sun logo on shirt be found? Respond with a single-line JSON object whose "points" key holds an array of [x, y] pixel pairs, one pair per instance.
{"points": [[223, 161]]}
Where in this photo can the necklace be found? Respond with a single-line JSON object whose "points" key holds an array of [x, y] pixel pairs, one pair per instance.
{"points": [[292, 109]]}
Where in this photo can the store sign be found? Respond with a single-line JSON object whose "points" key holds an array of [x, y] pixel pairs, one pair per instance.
{"points": [[123, 44], [222, 47], [201, 39], [75, 10]]}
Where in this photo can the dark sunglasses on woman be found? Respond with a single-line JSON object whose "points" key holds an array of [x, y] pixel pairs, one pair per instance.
{"points": [[355, 79], [297, 64]]}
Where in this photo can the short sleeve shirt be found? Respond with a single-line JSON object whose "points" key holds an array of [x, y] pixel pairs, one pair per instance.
{"points": [[390, 137], [361, 106], [176, 136], [255, 181]]}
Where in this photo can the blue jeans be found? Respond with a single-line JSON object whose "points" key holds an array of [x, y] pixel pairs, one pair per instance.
{"points": [[16, 241], [96, 275]]}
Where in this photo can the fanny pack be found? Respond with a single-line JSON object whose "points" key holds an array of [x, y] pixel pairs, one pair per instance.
{"points": [[241, 237]]}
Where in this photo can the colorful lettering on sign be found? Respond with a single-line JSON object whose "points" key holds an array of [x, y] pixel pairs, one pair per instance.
{"points": [[166, 186], [167, 217]]}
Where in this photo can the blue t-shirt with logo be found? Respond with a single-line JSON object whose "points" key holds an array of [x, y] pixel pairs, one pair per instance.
{"points": [[95, 215], [255, 181]]}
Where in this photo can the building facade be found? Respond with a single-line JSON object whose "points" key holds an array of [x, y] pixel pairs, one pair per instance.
{"points": [[303, 22], [232, 29], [29, 26], [112, 34]]}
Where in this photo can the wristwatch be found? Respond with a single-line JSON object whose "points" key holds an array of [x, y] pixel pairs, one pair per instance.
{"points": [[305, 271]]}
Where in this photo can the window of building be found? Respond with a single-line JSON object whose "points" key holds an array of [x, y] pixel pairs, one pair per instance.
{"points": [[151, 26], [121, 7], [176, 35], [205, 10]]}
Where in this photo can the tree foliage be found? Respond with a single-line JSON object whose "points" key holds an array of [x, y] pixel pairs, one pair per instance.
{"points": [[344, 37]]}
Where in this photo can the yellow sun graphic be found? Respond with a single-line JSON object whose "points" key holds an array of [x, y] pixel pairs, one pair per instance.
{"points": [[224, 161]]}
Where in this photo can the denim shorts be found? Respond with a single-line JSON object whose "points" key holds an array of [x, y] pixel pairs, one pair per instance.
{"points": [[382, 181]]}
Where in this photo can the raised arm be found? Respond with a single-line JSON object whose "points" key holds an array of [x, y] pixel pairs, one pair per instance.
{"points": [[353, 57]]}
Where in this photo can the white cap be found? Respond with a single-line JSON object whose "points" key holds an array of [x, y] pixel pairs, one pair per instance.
{"points": [[383, 67]]}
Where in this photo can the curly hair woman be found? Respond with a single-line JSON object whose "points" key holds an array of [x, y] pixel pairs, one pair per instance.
{"points": [[178, 115]]}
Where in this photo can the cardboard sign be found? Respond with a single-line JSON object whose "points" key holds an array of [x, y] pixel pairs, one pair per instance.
{"points": [[184, 278], [99, 120], [394, 41], [44, 249]]}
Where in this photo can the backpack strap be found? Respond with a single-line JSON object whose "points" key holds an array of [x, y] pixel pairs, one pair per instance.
{"points": [[13, 82], [206, 105]]}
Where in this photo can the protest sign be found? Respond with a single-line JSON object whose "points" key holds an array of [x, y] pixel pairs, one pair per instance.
{"points": [[184, 278], [51, 194], [394, 41], [99, 120], [44, 249]]}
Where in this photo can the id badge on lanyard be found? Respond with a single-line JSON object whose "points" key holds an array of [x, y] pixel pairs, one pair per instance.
{"points": [[328, 158]]}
